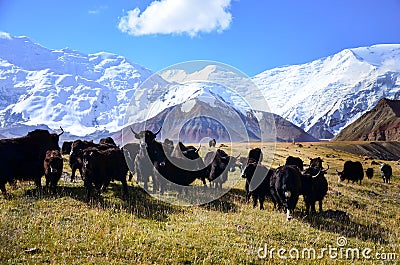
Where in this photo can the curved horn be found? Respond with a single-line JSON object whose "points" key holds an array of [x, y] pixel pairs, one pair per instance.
{"points": [[198, 149], [62, 131], [238, 155], [137, 136], [159, 130], [317, 174], [325, 170]]}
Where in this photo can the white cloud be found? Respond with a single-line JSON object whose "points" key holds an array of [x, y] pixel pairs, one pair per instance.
{"points": [[97, 10], [178, 17], [5, 35]]}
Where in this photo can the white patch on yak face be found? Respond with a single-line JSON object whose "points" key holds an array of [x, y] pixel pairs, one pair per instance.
{"points": [[53, 170], [288, 194]]}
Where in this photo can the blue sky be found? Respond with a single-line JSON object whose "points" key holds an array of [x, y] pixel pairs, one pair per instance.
{"points": [[251, 35]]}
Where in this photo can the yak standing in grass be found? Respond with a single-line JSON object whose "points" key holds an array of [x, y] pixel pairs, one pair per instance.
{"points": [[22, 158], [53, 166], [144, 169], [258, 181], [314, 185], [178, 172], [285, 188], [351, 171], [218, 163], [76, 155], [102, 166], [255, 156], [386, 172], [130, 151], [369, 172]]}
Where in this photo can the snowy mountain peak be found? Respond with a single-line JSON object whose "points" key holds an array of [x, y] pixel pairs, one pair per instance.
{"points": [[83, 93], [383, 55], [325, 95]]}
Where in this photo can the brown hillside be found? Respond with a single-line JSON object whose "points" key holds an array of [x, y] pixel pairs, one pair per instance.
{"points": [[382, 123], [223, 126]]}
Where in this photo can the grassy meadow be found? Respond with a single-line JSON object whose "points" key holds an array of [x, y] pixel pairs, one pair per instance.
{"points": [[63, 229]]}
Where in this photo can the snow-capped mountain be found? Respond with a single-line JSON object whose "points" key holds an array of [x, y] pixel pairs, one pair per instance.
{"points": [[101, 92], [326, 95], [83, 93], [323, 96]]}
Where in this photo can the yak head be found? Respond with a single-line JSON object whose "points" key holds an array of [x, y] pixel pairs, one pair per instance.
{"points": [[340, 175], [53, 161], [316, 162], [147, 136], [152, 148]]}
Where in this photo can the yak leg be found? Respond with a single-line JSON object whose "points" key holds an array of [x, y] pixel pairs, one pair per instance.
{"points": [[155, 183], [262, 199], [255, 197], [313, 207], [88, 186], [80, 172], [3, 188], [53, 187], [74, 168], [124, 189], [130, 176], [38, 183], [105, 185], [307, 208], [73, 174], [146, 181], [47, 182], [320, 206], [247, 191]]}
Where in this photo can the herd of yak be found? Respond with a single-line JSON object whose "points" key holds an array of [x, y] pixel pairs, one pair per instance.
{"points": [[38, 153]]}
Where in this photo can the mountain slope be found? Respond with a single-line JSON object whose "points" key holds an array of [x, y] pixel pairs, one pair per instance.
{"points": [[196, 120], [325, 95], [381, 123], [83, 93]]}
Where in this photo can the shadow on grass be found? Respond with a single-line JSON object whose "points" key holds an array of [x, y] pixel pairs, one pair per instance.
{"points": [[138, 203], [340, 223]]}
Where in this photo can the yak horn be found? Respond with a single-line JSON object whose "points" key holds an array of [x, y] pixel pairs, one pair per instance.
{"points": [[198, 149], [316, 174], [137, 136], [62, 131], [238, 155], [159, 130], [326, 169]]}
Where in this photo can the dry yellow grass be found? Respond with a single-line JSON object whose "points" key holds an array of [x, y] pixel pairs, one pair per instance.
{"points": [[63, 229]]}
